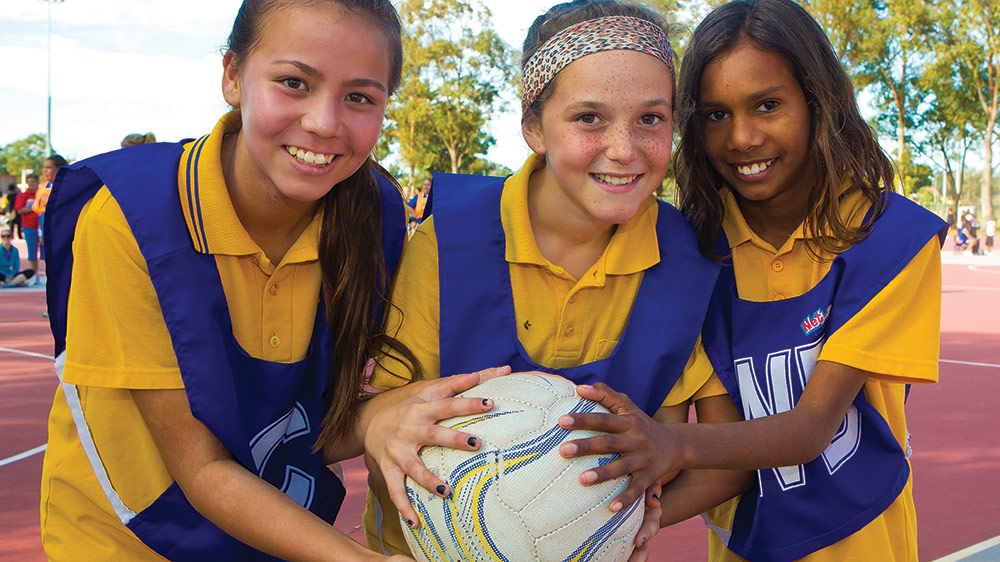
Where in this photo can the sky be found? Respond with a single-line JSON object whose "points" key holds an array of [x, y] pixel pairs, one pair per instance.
{"points": [[134, 66]]}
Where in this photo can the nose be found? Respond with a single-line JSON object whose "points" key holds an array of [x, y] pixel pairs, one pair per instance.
{"points": [[744, 134], [621, 143], [324, 118]]}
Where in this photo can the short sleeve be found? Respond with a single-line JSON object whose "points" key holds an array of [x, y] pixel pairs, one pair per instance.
{"points": [[896, 336], [696, 374], [115, 334], [414, 316]]}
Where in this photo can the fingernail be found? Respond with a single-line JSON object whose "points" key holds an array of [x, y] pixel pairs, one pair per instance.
{"points": [[409, 524], [440, 489], [643, 543], [565, 421], [656, 497], [471, 441], [616, 507], [589, 477], [486, 401], [568, 449], [585, 386]]}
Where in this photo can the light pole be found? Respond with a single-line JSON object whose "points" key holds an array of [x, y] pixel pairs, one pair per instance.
{"points": [[48, 134]]}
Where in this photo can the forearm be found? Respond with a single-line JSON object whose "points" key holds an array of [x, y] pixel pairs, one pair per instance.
{"points": [[696, 491], [259, 515]]}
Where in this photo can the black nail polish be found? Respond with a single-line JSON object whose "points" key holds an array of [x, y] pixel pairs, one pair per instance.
{"points": [[440, 489], [643, 542], [409, 523], [656, 497], [471, 441], [486, 401]]}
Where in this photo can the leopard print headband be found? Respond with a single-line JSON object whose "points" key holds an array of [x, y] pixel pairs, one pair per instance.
{"points": [[592, 36]]}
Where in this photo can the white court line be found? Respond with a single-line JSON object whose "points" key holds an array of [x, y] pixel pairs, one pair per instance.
{"points": [[23, 455], [28, 353], [974, 549], [970, 288], [970, 363], [980, 270], [39, 448]]}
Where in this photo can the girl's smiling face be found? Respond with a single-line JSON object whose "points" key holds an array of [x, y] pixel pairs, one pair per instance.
{"points": [[312, 95], [757, 127], [606, 134]]}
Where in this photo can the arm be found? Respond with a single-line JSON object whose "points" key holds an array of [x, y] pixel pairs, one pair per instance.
{"points": [[230, 496], [793, 437], [697, 490]]}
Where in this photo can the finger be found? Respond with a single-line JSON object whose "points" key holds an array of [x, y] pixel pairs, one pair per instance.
{"points": [[493, 373], [614, 401], [449, 386], [445, 408], [610, 443], [436, 435], [608, 423], [397, 493], [650, 522], [628, 497]]}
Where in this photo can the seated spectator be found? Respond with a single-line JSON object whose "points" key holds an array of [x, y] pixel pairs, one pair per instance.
{"points": [[10, 263]]}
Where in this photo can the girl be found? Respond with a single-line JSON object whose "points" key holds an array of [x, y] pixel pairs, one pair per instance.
{"points": [[563, 266], [194, 348], [827, 309], [136, 139]]}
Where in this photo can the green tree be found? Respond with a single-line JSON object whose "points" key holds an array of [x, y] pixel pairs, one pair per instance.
{"points": [[25, 154], [974, 36], [456, 70], [884, 45], [949, 116]]}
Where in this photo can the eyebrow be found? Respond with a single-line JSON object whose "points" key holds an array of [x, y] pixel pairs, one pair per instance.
{"points": [[315, 73], [755, 95], [599, 105]]}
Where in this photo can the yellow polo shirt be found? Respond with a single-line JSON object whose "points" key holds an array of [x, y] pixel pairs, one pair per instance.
{"points": [[895, 337], [561, 321], [117, 340]]}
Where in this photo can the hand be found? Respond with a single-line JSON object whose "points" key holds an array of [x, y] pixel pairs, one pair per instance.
{"points": [[650, 524], [644, 445], [397, 433]]}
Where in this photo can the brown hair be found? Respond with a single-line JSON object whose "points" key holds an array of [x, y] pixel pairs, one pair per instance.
{"points": [[135, 139], [568, 14], [843, 147], [355, 278]]}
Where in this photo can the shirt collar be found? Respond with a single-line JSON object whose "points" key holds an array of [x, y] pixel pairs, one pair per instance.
{"points": [[208, 210], [632, 249], [852, 210]]}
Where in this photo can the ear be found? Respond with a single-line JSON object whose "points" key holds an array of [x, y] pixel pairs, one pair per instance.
{"points": [[531, 130], [231, 79]]}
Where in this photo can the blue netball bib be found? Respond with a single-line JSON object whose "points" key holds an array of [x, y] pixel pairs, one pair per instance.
{"points": [[478, 326], [764, 353], [267, 414]]}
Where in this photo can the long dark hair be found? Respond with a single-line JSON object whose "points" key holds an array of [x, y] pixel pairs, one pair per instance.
{"points": [[568, 14], [843, 148], [350, 246]]}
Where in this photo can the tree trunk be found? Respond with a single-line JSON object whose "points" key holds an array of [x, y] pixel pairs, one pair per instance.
{"points": [[901, 138], [986, 191]]}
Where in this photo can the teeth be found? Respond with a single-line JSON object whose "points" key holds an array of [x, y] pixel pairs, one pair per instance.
{"points": [[613, 180], [753, 169], [309, 157]]}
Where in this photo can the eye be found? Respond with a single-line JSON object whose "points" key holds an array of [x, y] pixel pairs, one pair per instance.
{"points": [[358, 98], [588, 118], [716, 115], [650, 119], [294, 83], [768, 106]]}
